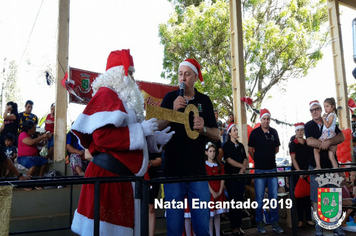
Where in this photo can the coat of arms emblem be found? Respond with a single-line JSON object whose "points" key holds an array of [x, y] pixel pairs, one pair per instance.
{"points": [[85, 83], [329, 215]]}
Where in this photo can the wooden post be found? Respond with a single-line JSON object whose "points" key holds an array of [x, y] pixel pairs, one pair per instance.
{"points": [[339, 67], [237, 69], [60, 126]]}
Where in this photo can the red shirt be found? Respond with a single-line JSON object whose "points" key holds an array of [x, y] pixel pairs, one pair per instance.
{"points": [[49, 123]]}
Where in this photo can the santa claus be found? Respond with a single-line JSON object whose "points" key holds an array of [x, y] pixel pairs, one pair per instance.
{"points": [[113, 128]]}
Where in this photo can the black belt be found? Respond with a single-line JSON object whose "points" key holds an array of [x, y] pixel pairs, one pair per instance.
{"points": [[111, 164]]}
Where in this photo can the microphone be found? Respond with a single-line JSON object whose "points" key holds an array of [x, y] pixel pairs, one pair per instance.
{"points": [[181, 89]]}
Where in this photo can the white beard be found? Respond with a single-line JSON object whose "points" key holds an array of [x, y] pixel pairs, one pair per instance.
{"points": [[126, 88]]}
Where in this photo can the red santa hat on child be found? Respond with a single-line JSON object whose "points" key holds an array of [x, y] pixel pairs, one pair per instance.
{"points": [[194, 65], [312, 103], [264, 112], [121, 58], [229, 127], [299, 126]]}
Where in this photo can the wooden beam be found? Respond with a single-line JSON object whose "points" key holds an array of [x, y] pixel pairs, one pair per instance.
{"points": [[237, 69], [60, 125], [348, 3], [339, 66]]}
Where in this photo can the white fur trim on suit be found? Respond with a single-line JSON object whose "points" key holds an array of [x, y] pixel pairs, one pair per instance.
{"points": [[145, 160], [87, 124], [137, 139], [82, 225]]}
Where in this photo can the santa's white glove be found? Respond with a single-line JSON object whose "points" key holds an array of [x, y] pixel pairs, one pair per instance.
{"points": [[152, 145], [162, 137], [149, 126]]}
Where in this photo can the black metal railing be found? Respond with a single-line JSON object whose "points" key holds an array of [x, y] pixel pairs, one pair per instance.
{"points": [[142, 188]]}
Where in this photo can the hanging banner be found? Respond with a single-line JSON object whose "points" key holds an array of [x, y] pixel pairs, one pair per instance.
{"points": [[80, 91]]}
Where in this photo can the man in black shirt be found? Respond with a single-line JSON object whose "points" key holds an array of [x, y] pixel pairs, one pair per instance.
{"points": [[313, 130], [185, 156], [263, 145]]}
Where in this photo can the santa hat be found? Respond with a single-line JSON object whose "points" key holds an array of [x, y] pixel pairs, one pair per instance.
{"points": [[312, 103], [264, 112], [299, 126], [229, 127], [121, 58], [194, 65]]}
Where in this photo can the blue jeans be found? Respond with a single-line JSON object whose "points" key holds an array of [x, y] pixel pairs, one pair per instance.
{"points": [[29, 161], [313, 187], [260, 185], [175, 217]]}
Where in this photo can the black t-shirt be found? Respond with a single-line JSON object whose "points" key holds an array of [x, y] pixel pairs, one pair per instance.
{"points": [[313, 130], [219, 123], [303, 153], [185, 156], [217, 144], [3, 157], [10, 126], [153, 171], [265, 145], [237, 153]]}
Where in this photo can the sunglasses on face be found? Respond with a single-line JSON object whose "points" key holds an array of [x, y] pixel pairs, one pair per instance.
{"points": [[315, 109]]}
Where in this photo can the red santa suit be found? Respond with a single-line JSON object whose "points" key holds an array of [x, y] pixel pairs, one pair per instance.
{"points": [[111, 123]]}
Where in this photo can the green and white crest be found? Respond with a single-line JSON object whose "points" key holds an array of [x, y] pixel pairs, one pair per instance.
{"points": [[329, 202], [85, 83]]}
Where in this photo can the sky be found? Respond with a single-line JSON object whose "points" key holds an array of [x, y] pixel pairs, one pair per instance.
{"points": [[29, 37], [95, 31]]}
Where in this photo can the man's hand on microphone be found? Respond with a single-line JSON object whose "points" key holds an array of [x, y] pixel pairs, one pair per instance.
{"points": [[179, 103]]}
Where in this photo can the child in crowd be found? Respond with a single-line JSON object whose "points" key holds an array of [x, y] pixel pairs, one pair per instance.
{"points": [[9, 149], [329, 119], [10, 152], [216, 187], [78, 163]]}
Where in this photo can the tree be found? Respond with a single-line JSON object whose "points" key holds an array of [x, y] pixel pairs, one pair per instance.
{"points": [[282, 40], [11, 91]]}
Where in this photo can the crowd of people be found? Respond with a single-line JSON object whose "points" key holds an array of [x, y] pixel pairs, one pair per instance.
{"points": [[113, 130], [21, 142], [123, 132]]}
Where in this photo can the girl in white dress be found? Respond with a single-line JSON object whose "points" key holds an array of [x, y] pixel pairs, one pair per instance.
{"points": [[329, 120]]}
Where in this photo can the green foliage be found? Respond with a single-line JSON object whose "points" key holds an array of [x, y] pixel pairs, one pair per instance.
{"points": [[11, 91], [282, 40], [186, 3]]}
